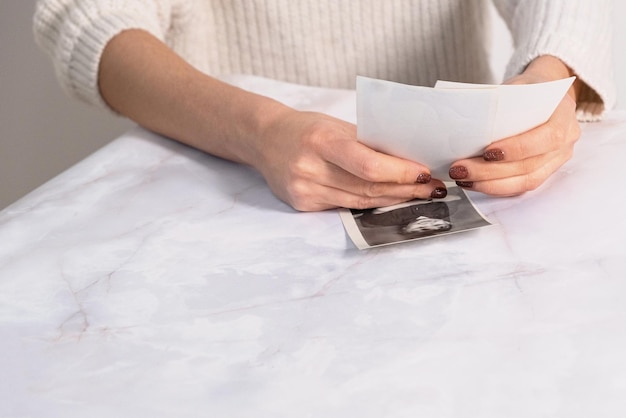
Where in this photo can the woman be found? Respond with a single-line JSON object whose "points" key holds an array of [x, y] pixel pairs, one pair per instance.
{"points": [[154, 61]]}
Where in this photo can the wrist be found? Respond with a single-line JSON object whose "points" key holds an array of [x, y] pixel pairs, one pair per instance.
{"points": [[228, 121], [549, 68], [256, 118]]}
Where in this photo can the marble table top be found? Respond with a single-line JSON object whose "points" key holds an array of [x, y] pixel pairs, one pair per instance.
{"points": [[151, 280]]}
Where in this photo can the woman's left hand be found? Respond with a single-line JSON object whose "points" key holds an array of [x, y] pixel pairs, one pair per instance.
{"points": [[521, 163]]}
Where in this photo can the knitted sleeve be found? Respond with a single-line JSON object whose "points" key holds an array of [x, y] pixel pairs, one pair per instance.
{"points": [[75, 32], [578, 32]]}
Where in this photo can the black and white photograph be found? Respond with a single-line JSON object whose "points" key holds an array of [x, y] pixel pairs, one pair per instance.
{"points": [[413, 220]]}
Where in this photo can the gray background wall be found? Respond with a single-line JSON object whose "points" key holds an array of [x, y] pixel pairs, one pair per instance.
{"points": [[42, 132]]}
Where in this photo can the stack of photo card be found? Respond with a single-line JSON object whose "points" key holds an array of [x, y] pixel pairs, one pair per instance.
{"points": [[435, 127]]}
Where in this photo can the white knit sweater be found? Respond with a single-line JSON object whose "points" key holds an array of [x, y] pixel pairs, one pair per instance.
{"points": [[329, 42]]}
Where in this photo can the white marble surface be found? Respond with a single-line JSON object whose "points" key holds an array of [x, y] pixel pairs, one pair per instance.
{"points": [[151, 280]]}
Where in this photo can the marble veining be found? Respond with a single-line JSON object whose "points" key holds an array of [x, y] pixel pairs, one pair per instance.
{"points": [[153, 280]]}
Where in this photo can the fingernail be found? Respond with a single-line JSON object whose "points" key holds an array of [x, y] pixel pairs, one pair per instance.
{"points": [[458, 172], [465, 184], [423, 178], [439, 193], [493, 155]]}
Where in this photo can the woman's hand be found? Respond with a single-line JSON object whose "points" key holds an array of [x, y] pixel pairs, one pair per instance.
{"points": [[310, 160], [521, 163], [314, 162]]}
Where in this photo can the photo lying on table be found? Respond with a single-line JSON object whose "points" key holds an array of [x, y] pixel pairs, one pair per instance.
{"points": [[413, 220]]}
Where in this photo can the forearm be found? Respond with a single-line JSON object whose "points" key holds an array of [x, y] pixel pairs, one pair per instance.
{"points": [[143, 79], [310, 160]]}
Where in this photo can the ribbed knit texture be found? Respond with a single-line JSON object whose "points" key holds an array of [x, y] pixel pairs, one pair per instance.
{"points": [[328, 42], [577, 32]]}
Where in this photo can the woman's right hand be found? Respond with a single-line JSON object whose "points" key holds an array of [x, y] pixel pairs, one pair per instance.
{"points": [[314, 162]]}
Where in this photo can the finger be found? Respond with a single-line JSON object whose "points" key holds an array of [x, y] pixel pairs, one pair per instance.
{"points": [[340, 179], [373, 166], [345, 199], [560, 130], [318, 197], [334, 187], [477, 169], [516, 184]]}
